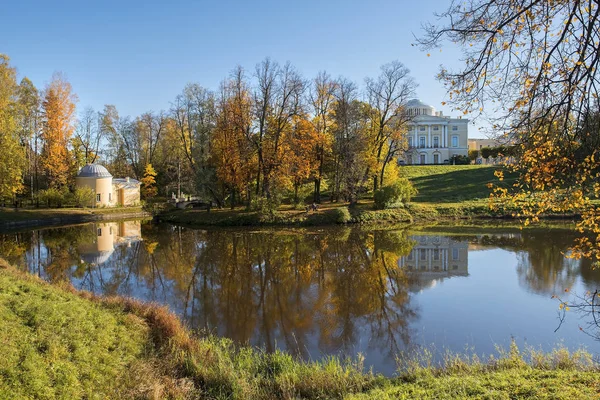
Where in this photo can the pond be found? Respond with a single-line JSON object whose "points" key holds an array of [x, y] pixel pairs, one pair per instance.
{"points": [[333, 291]]}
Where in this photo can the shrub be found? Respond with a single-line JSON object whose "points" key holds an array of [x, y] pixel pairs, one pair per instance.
{"points": [[460, 160], [473, 154], [342, 215], [84, 197], [394, 195], [52, 197]]}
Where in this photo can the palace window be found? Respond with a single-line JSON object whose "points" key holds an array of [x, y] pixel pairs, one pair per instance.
{"points": [[423, 160], [454, 128], [436, 128], [422, 141], [410, 141], [98, 197], [436, 254], [454, 141], [436, 141], [454, 254], [109, 197], [422, 128], [436, 158], [422, 254], [99, 231]]}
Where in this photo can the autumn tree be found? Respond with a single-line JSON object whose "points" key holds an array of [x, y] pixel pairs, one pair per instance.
{"points": [[533, 67], [194, 114], [322, 100], [231, 152], [277, 99], [304, 139], [351, 146], [58, 113], [149, 182], [387, 96], [12, 155]]}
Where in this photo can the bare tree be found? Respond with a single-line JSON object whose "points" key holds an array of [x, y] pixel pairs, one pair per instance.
{"points": [[277, 98], [88, 134], [322, 99], [387, 96]]}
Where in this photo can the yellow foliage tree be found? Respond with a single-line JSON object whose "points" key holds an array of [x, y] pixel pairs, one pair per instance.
{"points": [[534, 67], [149, 182]]}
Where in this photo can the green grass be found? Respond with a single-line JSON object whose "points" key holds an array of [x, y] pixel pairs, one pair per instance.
{"points": [[532, 375], [452, 183], [57, 345], [60, 343]]}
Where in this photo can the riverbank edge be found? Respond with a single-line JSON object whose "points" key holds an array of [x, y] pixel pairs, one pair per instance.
{"points": [[177, 364], [70, 219], [343, 215]]}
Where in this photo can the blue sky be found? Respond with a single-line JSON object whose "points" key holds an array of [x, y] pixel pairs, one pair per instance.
{"points": [[138, 55]]}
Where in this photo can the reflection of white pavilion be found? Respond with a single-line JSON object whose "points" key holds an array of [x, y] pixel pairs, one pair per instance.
{"points": [[107, 235], [434, 258]]}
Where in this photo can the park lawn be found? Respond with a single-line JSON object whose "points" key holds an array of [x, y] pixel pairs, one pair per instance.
{"points": [[8, 214], [453, 183], [61, 343]]}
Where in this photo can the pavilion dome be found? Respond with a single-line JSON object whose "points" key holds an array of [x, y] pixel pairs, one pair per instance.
{"points": [[94, 171]]}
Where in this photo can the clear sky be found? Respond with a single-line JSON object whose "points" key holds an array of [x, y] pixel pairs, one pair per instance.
{"points": [[138, 55]]}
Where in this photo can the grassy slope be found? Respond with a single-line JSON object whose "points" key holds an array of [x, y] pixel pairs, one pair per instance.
{"points": [[57, 343], [451, 183]]}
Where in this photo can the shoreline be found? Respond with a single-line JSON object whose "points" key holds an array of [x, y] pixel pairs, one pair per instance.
{"points": [[65, 217], [363, 215], [176, 363]]}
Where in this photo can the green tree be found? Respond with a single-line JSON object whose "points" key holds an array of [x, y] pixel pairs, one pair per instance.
{"points": [[29, 124], [12, 156]]}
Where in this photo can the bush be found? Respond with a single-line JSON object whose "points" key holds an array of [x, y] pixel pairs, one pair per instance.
{"points": [[52, 197], [394, 195], [473, 154], [460, 160], [342, 215], [84, 197]]}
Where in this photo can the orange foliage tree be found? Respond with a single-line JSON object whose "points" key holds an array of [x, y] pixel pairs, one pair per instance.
{"points": [[59, 112]]}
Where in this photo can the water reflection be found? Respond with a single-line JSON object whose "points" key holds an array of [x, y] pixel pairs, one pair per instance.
{"points": [[434, 258], [329, 291]]}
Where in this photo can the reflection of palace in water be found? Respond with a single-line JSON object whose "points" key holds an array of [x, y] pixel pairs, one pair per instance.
{"points": [[436, 257], [107, 236]]}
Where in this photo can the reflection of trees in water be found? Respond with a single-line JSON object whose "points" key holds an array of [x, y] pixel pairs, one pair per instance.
{"points": [[294, 290], [542, 265], [268, 288]]}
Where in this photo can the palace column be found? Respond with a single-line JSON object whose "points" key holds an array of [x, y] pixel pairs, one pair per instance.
{"points": [[428, 135]]}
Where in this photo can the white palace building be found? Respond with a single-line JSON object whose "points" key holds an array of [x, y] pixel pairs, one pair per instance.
{"points": [[432, 137]]}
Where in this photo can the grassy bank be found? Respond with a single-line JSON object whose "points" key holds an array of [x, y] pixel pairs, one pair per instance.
{"points": [[444, 191], [60, 343], [327, 214]]}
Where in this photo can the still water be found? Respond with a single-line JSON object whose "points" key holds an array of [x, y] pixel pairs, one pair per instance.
{"points": [[331, 291]]}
